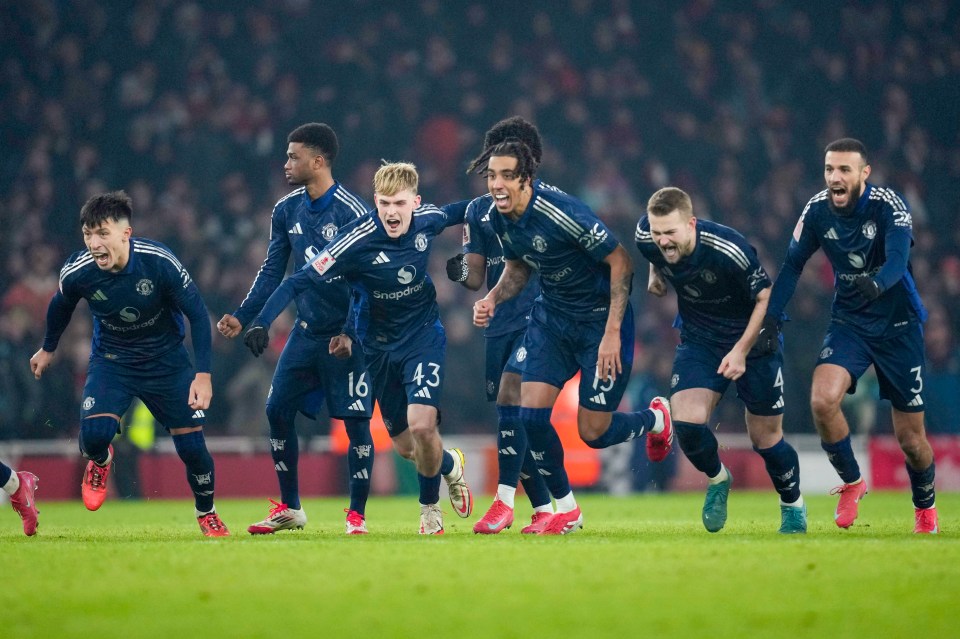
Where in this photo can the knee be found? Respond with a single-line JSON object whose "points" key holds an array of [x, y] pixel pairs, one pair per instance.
{"points": [[280, 419], [96, 433], [824, 402], [591, 430]]}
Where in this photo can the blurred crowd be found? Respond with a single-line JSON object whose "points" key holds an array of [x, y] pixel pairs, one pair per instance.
{"points": [[187, 105]]}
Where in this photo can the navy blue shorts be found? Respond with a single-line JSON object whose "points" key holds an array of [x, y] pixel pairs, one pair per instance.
{"points": [[555, 348], [502, 358], [410, 374], [760, 387], [898, 361], [163, 385], [307, 374]]}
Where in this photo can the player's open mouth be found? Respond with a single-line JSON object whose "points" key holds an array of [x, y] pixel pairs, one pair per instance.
{"points": [[838, 193], [101, 258], [393, 225], [669, 251]]}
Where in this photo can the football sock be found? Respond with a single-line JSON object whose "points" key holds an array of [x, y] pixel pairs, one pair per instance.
{"points": [[722, 475], [359, 462], [624, 427], [8, 479], [511, 445], [285, 450], [192, 449], [446, 463], [545, 508], [795, 504], [506, 494], [96, 433], [921, 483], [429, 489], [783, 466], [700, 446], [566, 503], [841, 457], [546, 449], [533, 484]]}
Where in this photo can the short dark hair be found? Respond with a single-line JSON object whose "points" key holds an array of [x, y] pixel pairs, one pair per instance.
{"points": [[847, 145], [526, 165], [515, 127], [319, 137], [669, 199], [115, 205]]}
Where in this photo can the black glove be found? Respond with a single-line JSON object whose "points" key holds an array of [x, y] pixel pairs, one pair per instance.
{"points": [[457, 269], [256, 339], [768, 341], [867, 287]]}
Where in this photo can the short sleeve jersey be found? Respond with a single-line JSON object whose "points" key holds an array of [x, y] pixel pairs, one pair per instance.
{"points": [[479, 238], [717, 285], [566, 243]]}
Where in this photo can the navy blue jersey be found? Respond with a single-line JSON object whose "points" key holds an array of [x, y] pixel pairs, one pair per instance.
{"points": [[137, 312], [480, 238], [391, 273], [303, 227], [553, 236], [874, 240], [717, 285]]}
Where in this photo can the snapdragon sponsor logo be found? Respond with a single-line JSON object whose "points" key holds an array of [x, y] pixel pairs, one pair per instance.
{"points": [[396, 295], [849, 277], [133, 327], [558, 276]]}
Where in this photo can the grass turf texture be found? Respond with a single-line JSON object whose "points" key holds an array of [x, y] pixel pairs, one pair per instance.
{"points": [[643, 566]]}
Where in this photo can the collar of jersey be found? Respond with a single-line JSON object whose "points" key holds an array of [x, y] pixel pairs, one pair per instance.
{"points": [[322, 202]]}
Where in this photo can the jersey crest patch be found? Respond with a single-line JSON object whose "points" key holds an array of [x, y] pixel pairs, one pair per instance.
{"points": [[145, 287], [539, 244], [420, 242], [329, 231]]}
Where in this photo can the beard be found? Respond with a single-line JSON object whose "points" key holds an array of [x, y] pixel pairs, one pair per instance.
{"points": [[853, 197]]}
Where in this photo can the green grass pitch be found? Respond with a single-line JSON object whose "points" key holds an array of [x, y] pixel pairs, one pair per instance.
{"points": [[643, 567]]}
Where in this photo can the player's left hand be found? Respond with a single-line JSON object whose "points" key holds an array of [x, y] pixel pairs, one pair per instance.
{"points": [[257, 338], [201, 392], [341, 346], [229, 326], [867, 287]]}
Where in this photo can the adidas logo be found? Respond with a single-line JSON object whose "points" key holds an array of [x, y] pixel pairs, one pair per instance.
{"points": [[382, 258], [831, 234], [99, 296], [916, 401], [779, 403], [424, 393], [509, 450], [280, 466], [296, 230], [599, 398], [357, 405], [363, 474], [198, 414]]}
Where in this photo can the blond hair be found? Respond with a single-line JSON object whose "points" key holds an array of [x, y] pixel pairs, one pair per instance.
{"points": [[393, 177], [670, 199]]}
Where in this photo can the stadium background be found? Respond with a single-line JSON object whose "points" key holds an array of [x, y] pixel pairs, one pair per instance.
{"points": [[186, 105]]}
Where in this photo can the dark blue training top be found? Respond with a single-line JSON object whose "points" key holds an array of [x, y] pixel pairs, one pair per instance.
{"points": [[717, 285], [565, 242], [873, 240], [137, 312], [480, 238], [390, 272], [303, 227]]}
